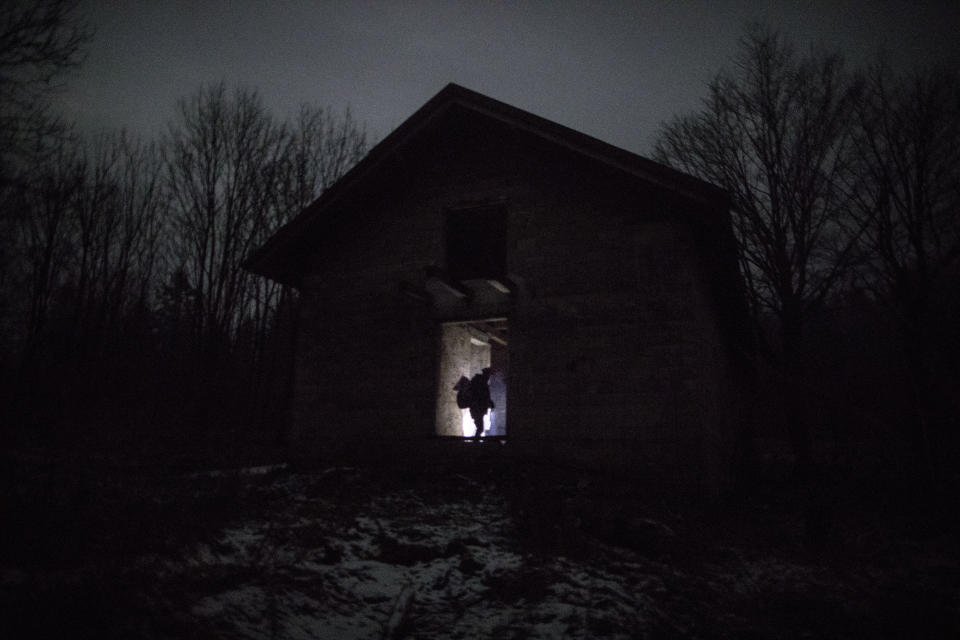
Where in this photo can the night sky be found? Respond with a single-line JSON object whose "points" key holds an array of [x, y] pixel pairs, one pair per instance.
{"points": [[612, 70]]}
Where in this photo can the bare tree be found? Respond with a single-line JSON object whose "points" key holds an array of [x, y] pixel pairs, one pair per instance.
{"points": [[321, 147], [909, 188], [775, 132], [144, 246], [89, 236], [908, 195], [120, 218], [39, 41], [234, 174], [222, 164], [95, 217], [44, 241]]}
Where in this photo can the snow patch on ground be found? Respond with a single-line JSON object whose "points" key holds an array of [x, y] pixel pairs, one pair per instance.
{"points": [[349, 553], [458, 558]]}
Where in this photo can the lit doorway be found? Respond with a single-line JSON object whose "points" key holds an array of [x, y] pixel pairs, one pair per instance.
{"points": [[466, 348]]}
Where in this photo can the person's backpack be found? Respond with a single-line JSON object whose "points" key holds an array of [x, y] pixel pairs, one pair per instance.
{"points": [[463, 392]]}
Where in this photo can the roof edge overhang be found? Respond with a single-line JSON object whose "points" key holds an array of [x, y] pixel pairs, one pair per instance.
{"points": [[277, 258]]}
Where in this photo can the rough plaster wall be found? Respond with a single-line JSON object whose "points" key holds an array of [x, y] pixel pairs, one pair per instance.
{"points": [[459, 356], [500, 362]]}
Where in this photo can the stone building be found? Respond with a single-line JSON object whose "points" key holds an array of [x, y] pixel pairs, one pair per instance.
{"points": [[602, 289]]}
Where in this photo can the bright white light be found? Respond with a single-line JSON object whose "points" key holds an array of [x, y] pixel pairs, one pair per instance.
{"points": [[467, 425]]}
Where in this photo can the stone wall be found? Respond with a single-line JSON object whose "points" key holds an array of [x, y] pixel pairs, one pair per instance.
{"points": [[615, 356], [612, 351]]}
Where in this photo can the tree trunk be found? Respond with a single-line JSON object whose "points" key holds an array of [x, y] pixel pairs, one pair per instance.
{"points": [[798, 429]]}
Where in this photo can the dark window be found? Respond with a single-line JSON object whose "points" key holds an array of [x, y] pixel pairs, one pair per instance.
{"points": [[477, 242]]}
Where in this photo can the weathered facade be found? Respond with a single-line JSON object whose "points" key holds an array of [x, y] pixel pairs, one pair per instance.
{"points": [[602, 287]]}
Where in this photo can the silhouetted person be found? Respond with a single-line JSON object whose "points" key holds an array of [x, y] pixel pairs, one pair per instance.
{"points": [[480, 399], [463, 392]]}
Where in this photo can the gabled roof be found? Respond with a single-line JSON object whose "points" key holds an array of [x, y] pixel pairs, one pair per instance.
{"points": [[273, 258]]}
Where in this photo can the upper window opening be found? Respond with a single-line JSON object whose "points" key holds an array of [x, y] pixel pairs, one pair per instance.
{"points": [[477, 242]]}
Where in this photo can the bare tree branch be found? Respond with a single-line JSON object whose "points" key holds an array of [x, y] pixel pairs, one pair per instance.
{"points": [[775, 132], [40, 40]]}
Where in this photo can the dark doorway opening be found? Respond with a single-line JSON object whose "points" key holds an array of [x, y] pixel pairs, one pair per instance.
{"points": [[466, 348]]}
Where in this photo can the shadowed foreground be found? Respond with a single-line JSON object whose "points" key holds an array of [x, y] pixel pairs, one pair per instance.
{"points": [[350, 553]]}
